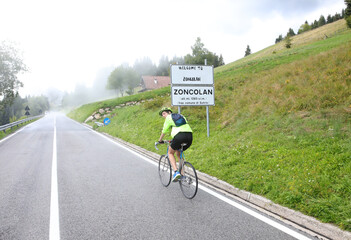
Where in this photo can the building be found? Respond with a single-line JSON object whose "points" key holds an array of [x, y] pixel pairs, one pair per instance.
{"points": [[154, 82]]}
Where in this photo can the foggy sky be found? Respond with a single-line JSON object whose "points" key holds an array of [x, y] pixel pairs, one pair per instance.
{"points": [[66, 42]]}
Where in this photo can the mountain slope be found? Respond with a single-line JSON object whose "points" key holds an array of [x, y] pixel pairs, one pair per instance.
{"points": [[280, 128]]}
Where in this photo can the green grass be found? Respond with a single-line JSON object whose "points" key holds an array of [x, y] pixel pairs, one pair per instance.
{"points": [[82, 113], [281, 127]]}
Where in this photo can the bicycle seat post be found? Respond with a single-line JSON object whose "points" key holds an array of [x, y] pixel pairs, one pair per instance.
{"points": [[182, 159]]}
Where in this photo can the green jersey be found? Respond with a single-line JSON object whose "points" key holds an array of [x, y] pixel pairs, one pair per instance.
{"points": [[170, 125]]}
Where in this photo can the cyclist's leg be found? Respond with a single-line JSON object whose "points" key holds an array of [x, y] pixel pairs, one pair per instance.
{"points": [[173, 149], [176, 174], [172, 159], [176, 144], [178, 154]]}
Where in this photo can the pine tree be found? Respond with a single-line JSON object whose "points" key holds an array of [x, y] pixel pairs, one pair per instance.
{"points": [[288, 43], [291, 32], [348, 13], [321, 21], [348, 8], [280, 38], [248, 51]]}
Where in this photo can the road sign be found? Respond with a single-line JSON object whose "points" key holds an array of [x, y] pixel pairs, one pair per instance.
{"points": [[107, 121], [192, 95], [192, 85], [192, 75]]}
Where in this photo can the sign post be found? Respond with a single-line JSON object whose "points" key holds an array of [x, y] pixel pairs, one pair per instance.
{"points": [[192, 85]]}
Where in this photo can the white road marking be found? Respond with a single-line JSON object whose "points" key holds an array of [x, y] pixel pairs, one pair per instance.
{"points": [[256, 215], [54, 206], [223, 198]]}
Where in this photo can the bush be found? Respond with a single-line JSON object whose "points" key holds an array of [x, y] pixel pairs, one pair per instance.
{"points": [[288, 42], [348, 21]]}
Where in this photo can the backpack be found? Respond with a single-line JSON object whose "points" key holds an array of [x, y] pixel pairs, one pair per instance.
{"points": [[178, 119]]}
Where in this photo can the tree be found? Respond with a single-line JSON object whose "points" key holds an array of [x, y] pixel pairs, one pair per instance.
{"points": [[10, 66], [115, 80], [220, 60], [304, 27], [200, 53], [38, 104], [288, 42], [33, 105], [348, 21], [291, 32], [348, 13], [123, 78], [163, 67], [177, 60], [10, 113], [145, 66], [321, 21], [348, 8], [132, 80], [337, 17], [198, 48], [248, 51], [280, 38], [314, 25]]}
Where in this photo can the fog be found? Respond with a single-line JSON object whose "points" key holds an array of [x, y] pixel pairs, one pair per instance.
{"points": [[82, 93], [69, 45]]}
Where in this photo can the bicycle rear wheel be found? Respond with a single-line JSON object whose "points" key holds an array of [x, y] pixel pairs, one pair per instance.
{"points": [[188, 182], [164, 170]]}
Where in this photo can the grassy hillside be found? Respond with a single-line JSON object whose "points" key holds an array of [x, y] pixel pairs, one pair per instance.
{"points": [[280, 128]]}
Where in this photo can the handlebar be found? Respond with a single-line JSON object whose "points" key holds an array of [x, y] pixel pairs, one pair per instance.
{"points": [[163, 142]]}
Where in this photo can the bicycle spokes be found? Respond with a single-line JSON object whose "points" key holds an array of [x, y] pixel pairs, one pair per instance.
{"points": [[164, 170], [188, 182]]}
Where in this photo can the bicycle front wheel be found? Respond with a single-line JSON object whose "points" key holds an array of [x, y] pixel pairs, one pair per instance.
{"points": [[188, 182], [164, 170]]}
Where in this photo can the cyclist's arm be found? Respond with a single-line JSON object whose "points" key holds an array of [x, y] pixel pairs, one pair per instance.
{"points": [[166, 126], [161, 137]]}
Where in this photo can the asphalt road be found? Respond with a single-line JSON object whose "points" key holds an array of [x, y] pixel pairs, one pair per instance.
{"points": [[105, 191]]}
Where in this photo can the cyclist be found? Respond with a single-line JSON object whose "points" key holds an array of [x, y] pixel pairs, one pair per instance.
{"points": [[181, 133]]}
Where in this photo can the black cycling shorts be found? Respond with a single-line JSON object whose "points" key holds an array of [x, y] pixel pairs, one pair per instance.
{"points": [[182, 137]]}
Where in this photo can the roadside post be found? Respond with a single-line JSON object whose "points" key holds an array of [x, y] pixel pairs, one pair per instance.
{"points": [[192, 85]]}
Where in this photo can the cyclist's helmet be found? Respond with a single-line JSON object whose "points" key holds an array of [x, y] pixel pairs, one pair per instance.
{"points": [[164, 109]]}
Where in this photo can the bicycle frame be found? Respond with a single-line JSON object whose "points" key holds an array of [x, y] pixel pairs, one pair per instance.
{"points": [[188, 172], [182, 156]]}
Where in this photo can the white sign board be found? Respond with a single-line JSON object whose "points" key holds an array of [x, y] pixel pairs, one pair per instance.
{"points": [[192, 75], [192, 96]]}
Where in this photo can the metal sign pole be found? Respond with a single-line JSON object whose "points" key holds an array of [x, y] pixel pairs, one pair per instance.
{"points": [[207, 114], [208, 121]]}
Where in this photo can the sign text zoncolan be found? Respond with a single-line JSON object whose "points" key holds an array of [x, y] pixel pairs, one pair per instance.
{"points": [[192, 91]]}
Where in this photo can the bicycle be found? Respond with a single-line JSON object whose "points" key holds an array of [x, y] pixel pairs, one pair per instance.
{"points": [[188, 181]]}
